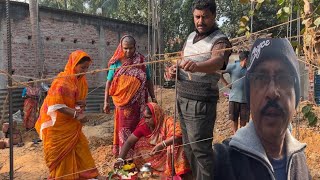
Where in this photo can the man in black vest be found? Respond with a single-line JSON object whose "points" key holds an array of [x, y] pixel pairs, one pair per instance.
{"points": [[205, 52]]}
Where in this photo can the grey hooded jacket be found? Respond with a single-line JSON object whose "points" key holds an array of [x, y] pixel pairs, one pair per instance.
{"points": [[244, 158]]}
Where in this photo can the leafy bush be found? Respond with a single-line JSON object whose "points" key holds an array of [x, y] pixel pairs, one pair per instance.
{"points": [[309, 114]]}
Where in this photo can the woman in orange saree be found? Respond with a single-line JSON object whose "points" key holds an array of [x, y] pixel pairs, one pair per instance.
{"points": [[31, 95], [128, 88], [154, 135], [66, 148]]}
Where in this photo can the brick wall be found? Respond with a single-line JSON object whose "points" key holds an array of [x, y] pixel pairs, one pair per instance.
{"points": [[61, 33]]}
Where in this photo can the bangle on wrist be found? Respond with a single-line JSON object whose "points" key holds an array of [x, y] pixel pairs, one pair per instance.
{"points": [[164, 144], [120, 159], [75, 114]]}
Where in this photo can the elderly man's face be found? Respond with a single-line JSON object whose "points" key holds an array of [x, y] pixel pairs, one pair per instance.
{"points": [[272, 98]]}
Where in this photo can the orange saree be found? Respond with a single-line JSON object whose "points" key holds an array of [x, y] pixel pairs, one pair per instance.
{"points": [[161, 163], [66, 148], [129, 93]]}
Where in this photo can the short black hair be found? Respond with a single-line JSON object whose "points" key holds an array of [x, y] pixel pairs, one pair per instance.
{"points": [[84, 59], [243, 55], [30, 80], [205, 4]]}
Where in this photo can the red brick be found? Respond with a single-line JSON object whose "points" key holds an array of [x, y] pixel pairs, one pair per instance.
{"points": [[68, 25]]}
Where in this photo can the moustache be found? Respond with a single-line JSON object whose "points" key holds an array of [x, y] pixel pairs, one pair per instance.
{"points": [[202, 25], [272, 104]]}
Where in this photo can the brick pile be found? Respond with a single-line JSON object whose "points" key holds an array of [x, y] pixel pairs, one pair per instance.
{"points": [[5, 141]]}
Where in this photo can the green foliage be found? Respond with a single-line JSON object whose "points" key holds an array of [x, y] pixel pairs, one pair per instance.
{"points": [[73, 5], [235, 10], [317, 22], [119, 172], [306, 109], [232, 10], [309, 115], [132, 11], [284, 10], [177, 23]]}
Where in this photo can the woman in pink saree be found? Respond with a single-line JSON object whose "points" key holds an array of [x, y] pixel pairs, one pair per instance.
{"points": [[31, 96]]}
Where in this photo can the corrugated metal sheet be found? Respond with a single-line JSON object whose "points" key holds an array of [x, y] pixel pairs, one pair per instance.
{"points": [[95, 101], [17, 101]]}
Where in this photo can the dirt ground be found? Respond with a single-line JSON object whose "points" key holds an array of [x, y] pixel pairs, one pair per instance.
{"points": [[29, 162]]}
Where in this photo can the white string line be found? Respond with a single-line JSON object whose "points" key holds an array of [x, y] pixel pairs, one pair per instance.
{"points": [[210, 137], [148, 154], [102, 84], [106, 69], [90, 72], [234, 38], [171, 60], [74, 173], [219, 90], [41, 80], [155, 62]]}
